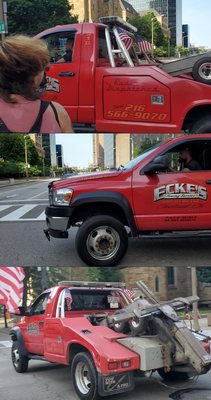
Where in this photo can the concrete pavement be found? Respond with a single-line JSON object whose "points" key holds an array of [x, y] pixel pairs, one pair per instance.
{"points": [[13, 181]]}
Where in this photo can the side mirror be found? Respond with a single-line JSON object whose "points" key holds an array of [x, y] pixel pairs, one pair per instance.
{"points": [[160, 163], [22, 311]]}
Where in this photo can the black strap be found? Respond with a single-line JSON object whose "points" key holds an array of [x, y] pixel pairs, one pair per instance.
{"points": [[38, 122], [55, 113], [3, 127]]}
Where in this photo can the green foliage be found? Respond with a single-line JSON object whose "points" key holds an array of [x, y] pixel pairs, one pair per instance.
{"points": [[33, 281], [31, 17], [12, 148], [146, 144], [107, 274], [144, 26]]}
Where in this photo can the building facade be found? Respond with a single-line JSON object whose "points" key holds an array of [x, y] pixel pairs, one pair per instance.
{"points": [[92, 10], [59, 156], [49, 147], [170, 9]]}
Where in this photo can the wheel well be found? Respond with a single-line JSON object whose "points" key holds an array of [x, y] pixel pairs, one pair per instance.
{"points": [[194, 114], [74, 349], [90, 209]]}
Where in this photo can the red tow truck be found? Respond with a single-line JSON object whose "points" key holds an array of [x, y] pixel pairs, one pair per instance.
{"points": [[151, 196], [107, 338], [106, 88]]}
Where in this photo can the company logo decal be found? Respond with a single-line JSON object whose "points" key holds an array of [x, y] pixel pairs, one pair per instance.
{"points": [[180, 191], [33, 329], [53, 84]]}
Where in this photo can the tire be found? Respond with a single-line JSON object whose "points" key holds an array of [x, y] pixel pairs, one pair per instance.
{"points": [[138, 325], [84, 376], [101, 241], [173, 376], [20, 362], [201, 71], [203, 125], [121, 327]]}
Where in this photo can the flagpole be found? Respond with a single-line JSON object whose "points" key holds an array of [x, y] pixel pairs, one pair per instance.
{"points": [[5, 317]]}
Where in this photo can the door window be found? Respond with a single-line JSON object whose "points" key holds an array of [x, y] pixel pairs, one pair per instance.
{"points": [[38, 308], [61, 46]]}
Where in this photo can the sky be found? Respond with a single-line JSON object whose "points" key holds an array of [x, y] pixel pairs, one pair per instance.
{"points": [[77, 148], [197, 14]]}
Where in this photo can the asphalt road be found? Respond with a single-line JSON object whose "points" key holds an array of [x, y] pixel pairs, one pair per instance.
{"points": [[53, 382], [22, 241]]}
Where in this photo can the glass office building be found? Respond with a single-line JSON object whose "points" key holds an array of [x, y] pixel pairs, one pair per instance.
{"points": [[172, 11]]}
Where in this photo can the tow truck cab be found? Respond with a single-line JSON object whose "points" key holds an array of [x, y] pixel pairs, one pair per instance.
{"points": [[106, 88]]}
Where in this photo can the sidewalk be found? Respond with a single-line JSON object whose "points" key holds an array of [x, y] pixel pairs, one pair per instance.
{"points": [[14, 181]]}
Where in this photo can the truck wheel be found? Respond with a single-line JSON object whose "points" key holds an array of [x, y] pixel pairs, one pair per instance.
{"points": [[19, 361], [203, 125], [121, 327], [84, 376], [101, 241], [173, 376], [138, 325], [201, 71]]}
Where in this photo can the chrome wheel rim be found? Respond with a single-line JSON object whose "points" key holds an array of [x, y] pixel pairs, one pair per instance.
{"points": [[82, 377], [205, 71], [15, 357], [103, 243]]}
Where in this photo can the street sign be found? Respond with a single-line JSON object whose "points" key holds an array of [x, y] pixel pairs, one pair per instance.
{"points": [[2, 27]]}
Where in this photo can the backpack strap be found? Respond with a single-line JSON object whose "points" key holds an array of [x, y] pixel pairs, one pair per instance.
{"points": [[38, 122], [3, 127], [55, 113]]}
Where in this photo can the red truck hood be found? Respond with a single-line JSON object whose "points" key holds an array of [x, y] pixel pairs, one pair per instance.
{"points": [[86, 177]]}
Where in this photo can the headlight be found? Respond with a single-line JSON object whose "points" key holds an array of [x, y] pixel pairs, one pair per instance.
{"points": [[60, 197]]}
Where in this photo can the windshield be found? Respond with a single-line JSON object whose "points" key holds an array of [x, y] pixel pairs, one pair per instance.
{"points": [[141, 157]]}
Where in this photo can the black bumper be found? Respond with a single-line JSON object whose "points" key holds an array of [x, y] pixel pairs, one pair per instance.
{"points": [[61, 211]]}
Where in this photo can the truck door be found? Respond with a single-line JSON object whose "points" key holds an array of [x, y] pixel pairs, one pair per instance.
{"points": [[35, 324], [176, 200], [63, 75]]}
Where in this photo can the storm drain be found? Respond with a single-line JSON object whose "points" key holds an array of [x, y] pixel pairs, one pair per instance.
{"points": [[191, 394]]}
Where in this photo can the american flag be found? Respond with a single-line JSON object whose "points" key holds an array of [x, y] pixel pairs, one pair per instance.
{"points": [[130, 294], [144, 45], [125, 38], [11, 287]]}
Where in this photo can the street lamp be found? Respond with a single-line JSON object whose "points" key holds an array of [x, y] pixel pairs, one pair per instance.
{"points": [[26, 157], [152, 30]]}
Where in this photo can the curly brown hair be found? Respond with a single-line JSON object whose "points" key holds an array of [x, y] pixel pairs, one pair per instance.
{"points": [[21, 59]]}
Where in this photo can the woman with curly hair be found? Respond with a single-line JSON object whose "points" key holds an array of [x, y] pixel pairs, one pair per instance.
{"points": [[23, 63]]}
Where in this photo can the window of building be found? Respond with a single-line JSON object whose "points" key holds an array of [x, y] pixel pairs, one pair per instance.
{"points": [[157, 284], [171, 276]]}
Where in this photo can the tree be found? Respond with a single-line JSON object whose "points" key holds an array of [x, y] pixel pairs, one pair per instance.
{"points": [[12, 148], [146, 144], [144, 26], [31, 17], [33, 284], [108, 274]]}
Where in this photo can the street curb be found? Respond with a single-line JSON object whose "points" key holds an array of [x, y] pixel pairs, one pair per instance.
{"points": [[21, 183]]}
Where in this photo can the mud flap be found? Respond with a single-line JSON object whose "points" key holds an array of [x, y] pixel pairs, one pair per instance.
{"points": [[115, 383]]}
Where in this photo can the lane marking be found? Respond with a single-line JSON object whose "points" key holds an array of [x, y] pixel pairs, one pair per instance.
{"points": [[18, 213]]}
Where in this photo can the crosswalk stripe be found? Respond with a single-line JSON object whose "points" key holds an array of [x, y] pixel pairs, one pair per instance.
{"points": [[17, 214], [2, 208], [41, 217], [5, 343]]}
